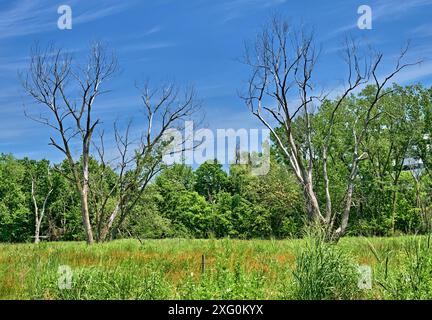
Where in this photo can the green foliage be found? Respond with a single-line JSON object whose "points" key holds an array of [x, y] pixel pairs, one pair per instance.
{"points": [[17, 217], [15, 214], [146, 221], [210, 180], [190, 213], [209, 201]]}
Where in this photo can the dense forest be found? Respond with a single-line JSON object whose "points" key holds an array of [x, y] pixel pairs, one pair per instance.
{"points": [[392, 193]]}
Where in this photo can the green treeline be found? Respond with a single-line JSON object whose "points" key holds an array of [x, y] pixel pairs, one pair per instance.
{"points": [[392, 191]]}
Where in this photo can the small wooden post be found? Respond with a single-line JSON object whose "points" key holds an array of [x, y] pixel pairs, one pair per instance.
{"points": [[203, 262]]}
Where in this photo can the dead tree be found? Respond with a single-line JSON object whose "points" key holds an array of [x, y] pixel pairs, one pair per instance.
{"points": [[281, 88], [140, 160], [68, 93], [39, 212]]}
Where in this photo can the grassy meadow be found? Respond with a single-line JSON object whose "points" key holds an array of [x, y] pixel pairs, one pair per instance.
{"points": [[234, 269]]}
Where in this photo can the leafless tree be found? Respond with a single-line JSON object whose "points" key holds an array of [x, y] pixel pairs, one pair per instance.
{"points": [[282, 62], [39, 212], [68, 92], [139, 160]]}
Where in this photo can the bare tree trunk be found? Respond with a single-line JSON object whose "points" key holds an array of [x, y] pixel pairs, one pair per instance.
{"points": [[339, 232], [107, 227], [314, 212], [85, 194], [37, 231], [347, 209], [327, 189], [36, 209], [38, 215], [86, 215]]}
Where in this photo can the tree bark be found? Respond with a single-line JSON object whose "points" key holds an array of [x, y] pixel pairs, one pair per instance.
{"points": [[37, 232], [86, 216], [84, 197], [107, 227]]}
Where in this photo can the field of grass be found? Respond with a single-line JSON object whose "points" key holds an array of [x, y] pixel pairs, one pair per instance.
{"points": [[235, 269]]}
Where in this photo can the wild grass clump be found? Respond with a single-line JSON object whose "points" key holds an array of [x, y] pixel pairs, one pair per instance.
{"points": [[324, 272], [412, 278]]}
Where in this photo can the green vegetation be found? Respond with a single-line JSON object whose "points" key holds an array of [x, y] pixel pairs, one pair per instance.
{"points": [[183, 214], [389, 197], [355, 167], [235, 269], [324, 271], [357, 164]]}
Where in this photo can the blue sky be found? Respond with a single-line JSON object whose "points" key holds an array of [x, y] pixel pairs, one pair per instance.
{"points": [[197, 42]]}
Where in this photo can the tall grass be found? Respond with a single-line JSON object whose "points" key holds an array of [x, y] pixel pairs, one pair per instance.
{"points": [[408, 275], [323, 271], [308, 268]]}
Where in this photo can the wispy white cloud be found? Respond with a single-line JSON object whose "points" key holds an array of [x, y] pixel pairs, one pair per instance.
{"points": [[362, 44], [237, 8], [96, 13], [142, 34], [406, 76], [424, 30], [24, 17], [414, 73], [28, 17], [146, 46], [234, 4], [388, 10], [153, 30], [11, 64]]}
